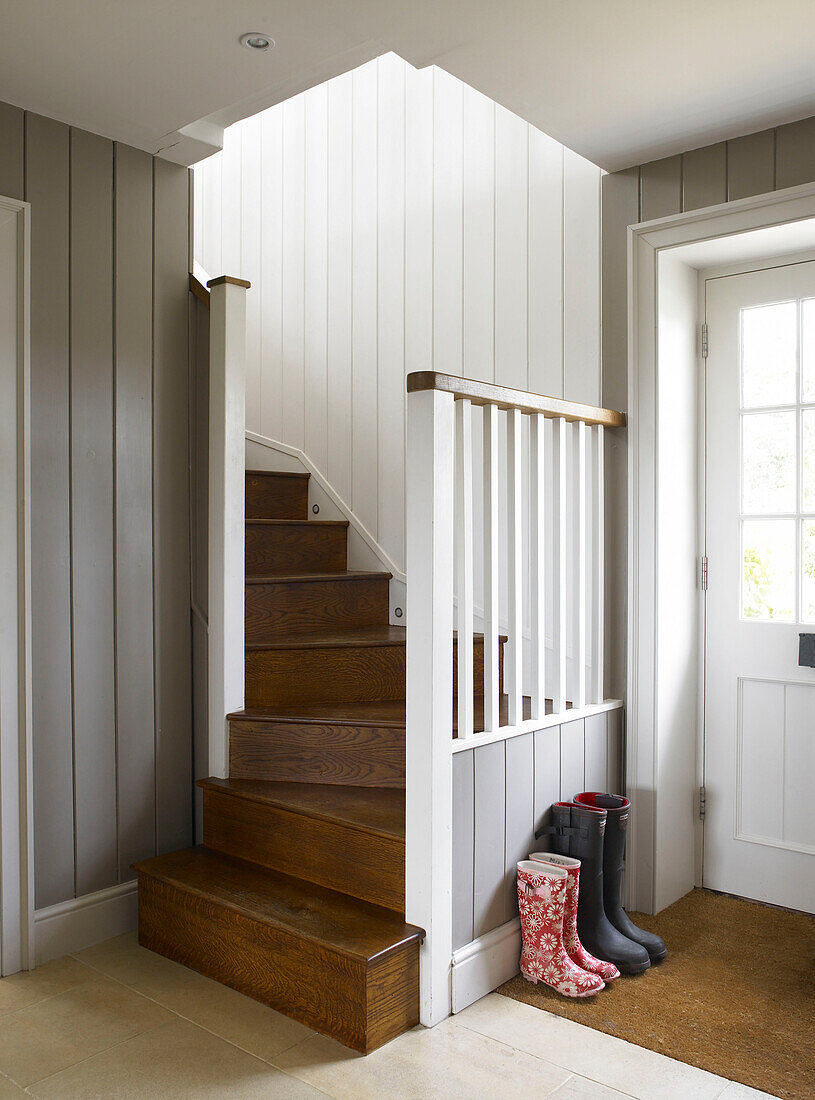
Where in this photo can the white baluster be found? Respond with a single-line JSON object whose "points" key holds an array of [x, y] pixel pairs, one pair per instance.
{"points": [[515, 653], [598, 565], [491, 582], [559, 431], [464, 564], [581, 474], [537, 563]]}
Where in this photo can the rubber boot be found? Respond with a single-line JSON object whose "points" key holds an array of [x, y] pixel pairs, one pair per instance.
{"points": [[617, 812], [577, 831], [541, 897], [571, 940]]}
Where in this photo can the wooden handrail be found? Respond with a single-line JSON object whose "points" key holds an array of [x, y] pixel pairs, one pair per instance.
{"points": [[200, 291], [484, 393]]}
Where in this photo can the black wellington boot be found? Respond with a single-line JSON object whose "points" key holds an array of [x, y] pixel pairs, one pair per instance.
{"points": [[577, 831], [617, 811]]}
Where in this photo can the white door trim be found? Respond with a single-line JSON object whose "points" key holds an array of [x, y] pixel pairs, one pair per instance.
{"points": [[645, 869], [16, 824]]}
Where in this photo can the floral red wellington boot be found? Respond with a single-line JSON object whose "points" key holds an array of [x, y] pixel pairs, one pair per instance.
{"points": [[571, 941], [541, 899]]}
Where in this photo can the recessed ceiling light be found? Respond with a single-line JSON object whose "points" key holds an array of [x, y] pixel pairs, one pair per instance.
{"points": [[256, 40]]}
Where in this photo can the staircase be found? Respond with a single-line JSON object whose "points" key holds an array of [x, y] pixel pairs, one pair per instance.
{"points": [[297, 895]]}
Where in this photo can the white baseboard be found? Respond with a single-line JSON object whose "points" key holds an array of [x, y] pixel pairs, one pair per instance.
{"points": [[81, 922], [481, 966]]}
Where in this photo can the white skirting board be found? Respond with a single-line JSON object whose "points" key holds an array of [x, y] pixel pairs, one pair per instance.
{"points": [[81, 922], [481, 966]]}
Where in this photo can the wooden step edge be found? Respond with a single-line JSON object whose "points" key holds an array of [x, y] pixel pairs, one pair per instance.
{"points": [[412, 934], [337, 818], [252, 521], [277, 473], [307, 578], [316, 720], [345, 640]]}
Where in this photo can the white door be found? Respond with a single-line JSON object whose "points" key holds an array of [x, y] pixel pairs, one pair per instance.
{"points": [[759, 768]]}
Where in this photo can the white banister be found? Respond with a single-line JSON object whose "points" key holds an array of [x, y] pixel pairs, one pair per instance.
{"points": [[559, 430], [581, 474], [492, 700], [598, 566], [227, 425], [441, 593], [537, 563], [429, 802], [464, 565], [515, 655]]}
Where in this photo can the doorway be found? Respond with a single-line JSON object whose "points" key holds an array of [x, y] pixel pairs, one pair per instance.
{"points": [[759, 523]]}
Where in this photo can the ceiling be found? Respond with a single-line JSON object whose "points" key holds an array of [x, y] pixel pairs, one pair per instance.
{"points": [[619, 82]]}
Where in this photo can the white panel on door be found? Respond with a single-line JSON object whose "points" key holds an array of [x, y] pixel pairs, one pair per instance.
{"points": [[799, 765], [760, 789]]}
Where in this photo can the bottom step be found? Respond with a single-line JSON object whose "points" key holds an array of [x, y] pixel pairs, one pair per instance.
{"points": [[344, 967]]}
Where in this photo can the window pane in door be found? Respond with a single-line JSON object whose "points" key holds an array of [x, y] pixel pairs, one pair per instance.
{"points": [[768, 579], [808, 459], [808, 571], [808, 349], [769, 344], [768, 462]]}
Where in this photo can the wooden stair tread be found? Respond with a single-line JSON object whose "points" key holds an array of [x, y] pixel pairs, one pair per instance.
{"points": [[355, 928], [387, 713], [379, 811], [277, 473], [255, 522], [304, 578], [342, 639]]}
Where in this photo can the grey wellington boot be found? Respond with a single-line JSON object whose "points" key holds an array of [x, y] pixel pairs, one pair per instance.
{"points": [[577, 831], [617, 812]]}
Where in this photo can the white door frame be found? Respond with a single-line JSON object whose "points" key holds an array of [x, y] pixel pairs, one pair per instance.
{"points": [[16, 824], [647, 863]]}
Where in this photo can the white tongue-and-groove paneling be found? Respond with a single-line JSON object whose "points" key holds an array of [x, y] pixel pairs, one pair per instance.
{"points": [[396, 220]]}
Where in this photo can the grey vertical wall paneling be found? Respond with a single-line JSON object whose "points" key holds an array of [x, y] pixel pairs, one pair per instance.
{"points": [[661, 188], [463, 847], [171, 509], [11, 151], [47, 189], [620, 208], [704, 177], [795, 153], [92, 511], [133, 335], [595, 774], [572, 759], [520, 812], [199, 510], [615, 779], [751, 165], [547, 778], [490, 813]]}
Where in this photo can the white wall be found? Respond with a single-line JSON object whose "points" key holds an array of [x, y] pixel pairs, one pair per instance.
{"points": [[395, 220]]}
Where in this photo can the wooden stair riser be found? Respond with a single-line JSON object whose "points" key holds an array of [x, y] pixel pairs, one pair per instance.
{"points": [[276, 496], [276, 608], [365, 865], [313, 752], [273, 549], [362, 1005], [334, 674]]}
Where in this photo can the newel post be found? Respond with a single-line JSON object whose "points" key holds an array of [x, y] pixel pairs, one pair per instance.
{"points": [[429, 771], [227, 464]]}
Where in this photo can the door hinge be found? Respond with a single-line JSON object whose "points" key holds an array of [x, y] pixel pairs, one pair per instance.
{"points": [[702, 803], [704, 339], [704, 573]]}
